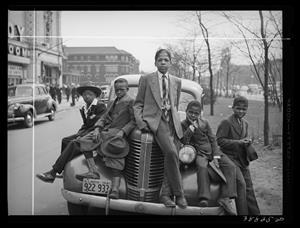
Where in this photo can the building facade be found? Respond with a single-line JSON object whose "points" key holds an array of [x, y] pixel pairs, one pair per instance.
{"points": [[100, 64], [34, 47]]}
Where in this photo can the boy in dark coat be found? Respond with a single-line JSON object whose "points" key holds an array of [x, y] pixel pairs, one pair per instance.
{"points": [[197, 133], [70, 147], [232, 137], [118, 121]]}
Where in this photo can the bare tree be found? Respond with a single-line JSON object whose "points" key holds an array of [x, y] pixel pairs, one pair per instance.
{"points": [[206, 39], [264, 41]]}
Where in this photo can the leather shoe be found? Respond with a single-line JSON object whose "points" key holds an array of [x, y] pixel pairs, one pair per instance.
{"points": [[88, 175], [166, 200], [203, 203], [226, 203], [46, 177], [181, 201]]}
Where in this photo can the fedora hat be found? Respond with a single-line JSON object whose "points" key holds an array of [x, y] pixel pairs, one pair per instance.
{"points": [[89, 86], [115, 147]]}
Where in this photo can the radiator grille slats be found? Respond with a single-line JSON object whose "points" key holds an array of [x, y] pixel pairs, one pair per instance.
{"points": [[144, 171]]}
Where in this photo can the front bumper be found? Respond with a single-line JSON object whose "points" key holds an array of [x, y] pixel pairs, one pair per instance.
{"points": [[14, 119], [136, 206]]}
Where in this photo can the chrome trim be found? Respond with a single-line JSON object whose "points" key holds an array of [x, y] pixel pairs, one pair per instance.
{"points": [[136, 206]]}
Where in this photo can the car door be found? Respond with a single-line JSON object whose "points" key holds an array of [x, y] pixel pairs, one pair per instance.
{"points": [[37, 98]]}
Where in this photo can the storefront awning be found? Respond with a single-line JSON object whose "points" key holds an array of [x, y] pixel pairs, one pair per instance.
{"points": [[52, 64]]}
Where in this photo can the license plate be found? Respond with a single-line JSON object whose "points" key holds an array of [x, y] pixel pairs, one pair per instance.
{"points": [[96, 186]]}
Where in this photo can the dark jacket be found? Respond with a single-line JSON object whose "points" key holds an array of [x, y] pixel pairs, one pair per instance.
{"points": [[93, 115], [228, 134], [202, 138], [120, 116]]}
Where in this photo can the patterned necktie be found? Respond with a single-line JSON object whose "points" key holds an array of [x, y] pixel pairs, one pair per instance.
{"points": [[164, 88]]}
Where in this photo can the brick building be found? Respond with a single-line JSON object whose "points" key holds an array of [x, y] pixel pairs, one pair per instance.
{"points": [[99, 64]]}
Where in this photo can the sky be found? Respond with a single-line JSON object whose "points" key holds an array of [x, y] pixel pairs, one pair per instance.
{"points": [[140, 33]]}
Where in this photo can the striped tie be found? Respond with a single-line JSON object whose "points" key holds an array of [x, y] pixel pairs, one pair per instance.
{"points": [[164, 88]]}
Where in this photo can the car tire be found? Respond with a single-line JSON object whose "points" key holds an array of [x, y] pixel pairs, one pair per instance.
{"points": [[75, 209], [52, 116], [28, 119]]}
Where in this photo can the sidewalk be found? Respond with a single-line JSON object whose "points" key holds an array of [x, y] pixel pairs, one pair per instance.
{"points": [[64, 105]]}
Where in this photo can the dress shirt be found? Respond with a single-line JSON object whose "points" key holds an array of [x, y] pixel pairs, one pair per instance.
{"points": [[86, 109]]}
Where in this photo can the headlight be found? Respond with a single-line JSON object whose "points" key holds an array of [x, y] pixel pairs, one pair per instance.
{"points": [[187, 154], [13, 107]]}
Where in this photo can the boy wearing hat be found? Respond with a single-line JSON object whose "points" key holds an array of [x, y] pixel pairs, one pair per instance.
{"points": [[90, 113], [232, 137], [197, 133], [111, 132]]}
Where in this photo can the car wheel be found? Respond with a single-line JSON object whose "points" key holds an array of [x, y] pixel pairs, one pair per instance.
{"points": [[28, 119], [52, 116], [75, 209]]}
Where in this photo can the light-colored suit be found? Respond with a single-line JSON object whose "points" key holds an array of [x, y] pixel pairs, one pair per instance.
{"points": [[147, 106], [148, 111]]}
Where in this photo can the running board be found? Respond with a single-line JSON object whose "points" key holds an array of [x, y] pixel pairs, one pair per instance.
{"points": [[136, 206]]}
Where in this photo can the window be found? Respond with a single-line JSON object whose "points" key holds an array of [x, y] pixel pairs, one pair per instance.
{"points": [[111, 68], [185, 98], [75, 57]]}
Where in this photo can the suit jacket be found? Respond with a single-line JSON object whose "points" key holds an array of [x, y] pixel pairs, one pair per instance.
{"points": [[148, 102], [228, 133], [93, 115], [119, 116], [202, 138]]}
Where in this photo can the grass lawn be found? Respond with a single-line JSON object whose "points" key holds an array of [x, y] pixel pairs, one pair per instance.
{"points": [[266, 171]]}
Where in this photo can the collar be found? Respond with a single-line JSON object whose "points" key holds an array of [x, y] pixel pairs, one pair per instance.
{"points": [[94, 102], [160, 75]]}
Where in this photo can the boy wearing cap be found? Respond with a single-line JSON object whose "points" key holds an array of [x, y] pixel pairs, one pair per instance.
{"points": [[111, 132], [232, 137], [197, 132], [90, 113]]}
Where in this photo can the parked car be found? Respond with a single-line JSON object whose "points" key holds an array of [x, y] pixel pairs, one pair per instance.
{"points": [[27, 102], [143, 174], [105, 92]]}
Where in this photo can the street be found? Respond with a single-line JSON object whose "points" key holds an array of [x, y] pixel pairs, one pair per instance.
{"points": [[23, 158]]}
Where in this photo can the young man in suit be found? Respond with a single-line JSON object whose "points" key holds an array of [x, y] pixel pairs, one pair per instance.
{"points": [[232, 137], [155, 111], [90, 113], [197, 133], [117, 121]]}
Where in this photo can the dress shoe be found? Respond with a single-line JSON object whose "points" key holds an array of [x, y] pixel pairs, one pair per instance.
{"points": [[203, 203], [166, 200], [88, 175], [60, 175], [226, 203], [46, 177], [181, 202]]}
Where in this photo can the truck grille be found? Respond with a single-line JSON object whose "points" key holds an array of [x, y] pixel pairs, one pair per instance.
{"points": [[144, 169]]}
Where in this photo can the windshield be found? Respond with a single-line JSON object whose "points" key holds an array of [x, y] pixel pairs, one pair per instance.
{"points": [[20, 91], [185, 97]]}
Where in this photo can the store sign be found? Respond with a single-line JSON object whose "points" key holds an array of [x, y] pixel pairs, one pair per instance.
{"points": [[14, 70], [18, 51], [15, 31]]}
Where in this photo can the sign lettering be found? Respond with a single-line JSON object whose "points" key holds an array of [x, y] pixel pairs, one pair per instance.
{"points": [[15, 31]]}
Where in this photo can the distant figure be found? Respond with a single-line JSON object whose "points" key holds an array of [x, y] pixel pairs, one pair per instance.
{"points": [[73, 94], [58, 93], [52, 92], [67, 91]]}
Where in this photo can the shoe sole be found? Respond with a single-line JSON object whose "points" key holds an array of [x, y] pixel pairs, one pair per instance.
{"points": [[44, 180]]}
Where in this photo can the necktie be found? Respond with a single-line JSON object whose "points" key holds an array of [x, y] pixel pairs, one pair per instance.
{"points": [[164, 88]]}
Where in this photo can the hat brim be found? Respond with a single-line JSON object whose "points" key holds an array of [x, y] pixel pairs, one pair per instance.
{"points": [[94, 89], [111, 155]]}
